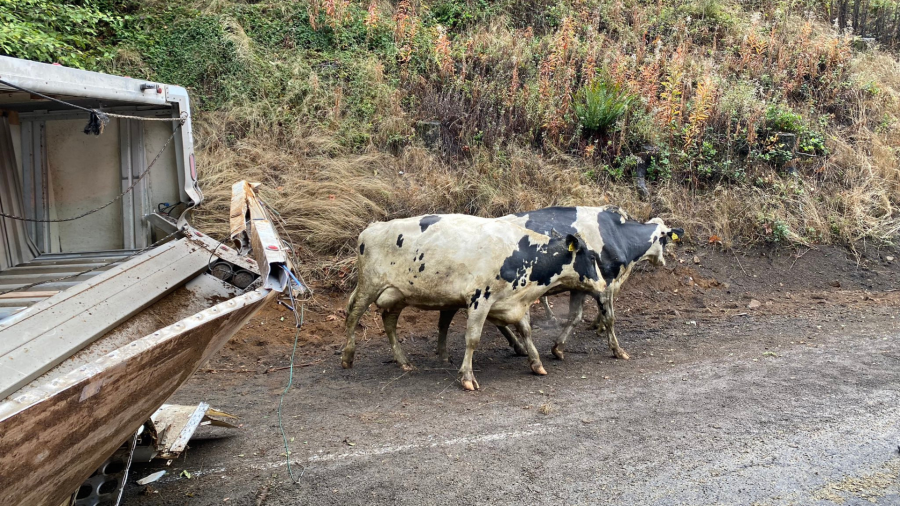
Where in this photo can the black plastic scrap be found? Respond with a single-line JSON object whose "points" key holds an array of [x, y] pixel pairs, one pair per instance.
{"points": [[96, 124]]}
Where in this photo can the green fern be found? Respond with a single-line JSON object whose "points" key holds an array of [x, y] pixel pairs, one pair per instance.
{"points": [[599, 106]]}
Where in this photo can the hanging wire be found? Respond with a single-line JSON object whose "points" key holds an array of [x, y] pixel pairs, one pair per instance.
{"points": [[111, 202], [96, 114]]}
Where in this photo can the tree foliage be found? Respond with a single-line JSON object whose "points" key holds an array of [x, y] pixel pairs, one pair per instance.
{"points": [[68, 32]]}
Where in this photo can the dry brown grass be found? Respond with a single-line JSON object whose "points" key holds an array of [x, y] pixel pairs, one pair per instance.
{"points": [[327, 195], [491, 104]]}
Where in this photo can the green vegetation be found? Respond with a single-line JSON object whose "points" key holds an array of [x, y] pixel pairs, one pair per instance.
{"points": [[765, 123], [599, 105], [76, 33]]}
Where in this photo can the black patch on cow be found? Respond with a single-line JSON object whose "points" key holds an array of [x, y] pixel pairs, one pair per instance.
{"points": [[428, 221], [623, 243], [420, 256], [400, 241], [421, 267], [487, 292], [544, 265], [474, 299], [586, 264], [544, 221], [410, 282], [362, 248]]}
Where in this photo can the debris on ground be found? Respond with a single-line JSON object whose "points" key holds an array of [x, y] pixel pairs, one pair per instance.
{"points": [[151, 477]]}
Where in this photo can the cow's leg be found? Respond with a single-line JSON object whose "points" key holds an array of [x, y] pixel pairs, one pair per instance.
{"points": [[546, 303], [356, 306], [389, 318], [523, 326], [598, 321], [443, 328], [513, 340], [474, 326], [576, 310], [609, 320]]}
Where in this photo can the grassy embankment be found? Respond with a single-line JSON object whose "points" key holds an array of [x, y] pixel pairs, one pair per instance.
{"points": [[766, 123]]}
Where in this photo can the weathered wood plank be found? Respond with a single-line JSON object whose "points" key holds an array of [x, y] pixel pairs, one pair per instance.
{"points": [[58, 269], [29, 295]]}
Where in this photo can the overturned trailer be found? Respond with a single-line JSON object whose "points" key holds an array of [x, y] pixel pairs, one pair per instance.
{"points": [[109, 299]]}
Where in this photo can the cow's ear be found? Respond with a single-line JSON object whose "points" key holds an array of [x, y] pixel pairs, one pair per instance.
{"points": [[573, 243], [676, 234], [554, 234]]}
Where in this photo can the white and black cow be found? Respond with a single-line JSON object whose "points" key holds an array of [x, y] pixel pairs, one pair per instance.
{"points": [[492, 268], [622, 243]]}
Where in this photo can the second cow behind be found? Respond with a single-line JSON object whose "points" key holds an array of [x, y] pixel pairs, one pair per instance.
{"points": [[621, 243]]}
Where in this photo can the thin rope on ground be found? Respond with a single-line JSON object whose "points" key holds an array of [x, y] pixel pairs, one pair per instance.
{"points": [[111, 202], [299, 322]]}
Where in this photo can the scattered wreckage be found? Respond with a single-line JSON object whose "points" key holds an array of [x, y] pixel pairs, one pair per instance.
{"points": [[109, 299]]}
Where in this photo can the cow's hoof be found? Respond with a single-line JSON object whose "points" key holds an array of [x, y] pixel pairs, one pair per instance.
{"points": [[620, 353], [539, 369], [558, 352], [347, 358], [407, 367], [470, 385]]}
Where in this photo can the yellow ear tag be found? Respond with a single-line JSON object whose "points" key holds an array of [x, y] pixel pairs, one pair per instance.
{"points": [[572, 246], [674, 236]]}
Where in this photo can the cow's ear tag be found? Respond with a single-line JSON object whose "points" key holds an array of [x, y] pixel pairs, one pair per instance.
{"points": [[571, 246], [674, 236]]}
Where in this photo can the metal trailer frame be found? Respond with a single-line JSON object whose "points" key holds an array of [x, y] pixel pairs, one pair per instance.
{"points": [[112, 92]]}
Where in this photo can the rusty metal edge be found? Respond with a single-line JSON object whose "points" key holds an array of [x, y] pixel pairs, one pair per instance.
{"points": [[116, 357], [27, 423]]}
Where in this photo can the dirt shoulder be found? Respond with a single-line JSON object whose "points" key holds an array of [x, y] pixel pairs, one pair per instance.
{"points": [[770, 378]]}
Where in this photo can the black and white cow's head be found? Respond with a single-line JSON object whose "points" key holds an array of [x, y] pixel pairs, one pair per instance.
{"points": [[659, 238], [545, 263], [585, 261]]}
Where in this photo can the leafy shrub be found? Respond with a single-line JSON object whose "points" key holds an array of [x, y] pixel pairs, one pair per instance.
{"points": [[600, 105], [66, 32], [783, 119], [197, 54]]}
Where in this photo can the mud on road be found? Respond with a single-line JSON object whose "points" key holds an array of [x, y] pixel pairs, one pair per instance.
{"points": [[765, 378]]}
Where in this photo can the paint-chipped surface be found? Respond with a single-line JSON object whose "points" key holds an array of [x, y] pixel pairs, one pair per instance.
{"points": [[794, 402]]}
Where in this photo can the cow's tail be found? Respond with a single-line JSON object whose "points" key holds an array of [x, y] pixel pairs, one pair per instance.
{"points": [[352, 299]]}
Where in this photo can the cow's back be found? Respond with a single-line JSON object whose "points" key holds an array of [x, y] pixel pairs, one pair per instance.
{"points": [[438, 257], [565, 220]]}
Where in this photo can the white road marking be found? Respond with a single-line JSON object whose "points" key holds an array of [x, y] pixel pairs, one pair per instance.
{"points": [[534, 429]]}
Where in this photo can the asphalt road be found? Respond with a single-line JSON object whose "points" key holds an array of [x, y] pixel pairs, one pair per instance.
{"points": [[746, 409]]}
